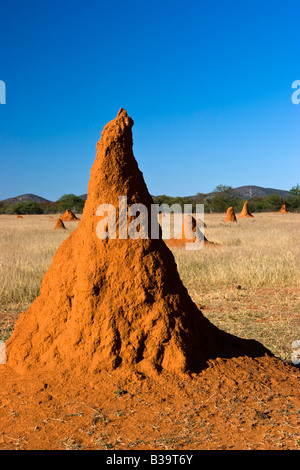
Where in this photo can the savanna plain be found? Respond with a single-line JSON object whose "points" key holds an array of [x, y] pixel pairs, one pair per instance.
{"points": [[246, 283]]}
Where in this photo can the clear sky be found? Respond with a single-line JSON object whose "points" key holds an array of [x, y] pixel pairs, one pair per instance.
{"points": [[208, 84]]}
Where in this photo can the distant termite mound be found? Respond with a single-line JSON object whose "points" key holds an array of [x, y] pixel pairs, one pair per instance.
{"points": [[190, 233], [68, 216], [245, 211], [283, 210], [230, 215], [117, 303], [59, 225]]}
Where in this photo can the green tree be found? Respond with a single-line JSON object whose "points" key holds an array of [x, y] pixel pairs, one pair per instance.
{"points": [[25, 207], [223, 197], [70, 201], [272, 203], [256, 204], [295, 189], [293, 203], [223, 189]]}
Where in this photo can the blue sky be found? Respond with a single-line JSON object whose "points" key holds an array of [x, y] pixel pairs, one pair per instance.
{"points": [[208, 85]]}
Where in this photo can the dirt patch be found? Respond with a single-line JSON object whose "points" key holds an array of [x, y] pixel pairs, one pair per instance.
{"points": [[239, 403]]}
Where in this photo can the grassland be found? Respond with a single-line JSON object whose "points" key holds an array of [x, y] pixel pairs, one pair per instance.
{"points": [[248, 283]]}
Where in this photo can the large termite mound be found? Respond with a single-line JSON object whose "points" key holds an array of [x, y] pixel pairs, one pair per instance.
{"points": [[116, 303], [245, 211], [230, 215]]}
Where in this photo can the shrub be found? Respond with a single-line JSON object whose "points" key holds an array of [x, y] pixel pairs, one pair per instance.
{"points": [[71, 202], [25, 207]]}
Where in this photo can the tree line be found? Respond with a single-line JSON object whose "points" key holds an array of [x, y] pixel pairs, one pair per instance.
{"points": [[224, 196], [217, 202], [67, 201]]}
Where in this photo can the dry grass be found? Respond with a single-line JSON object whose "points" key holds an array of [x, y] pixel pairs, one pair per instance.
{"points": [[27, 247], [259, 252], [248, 284]]}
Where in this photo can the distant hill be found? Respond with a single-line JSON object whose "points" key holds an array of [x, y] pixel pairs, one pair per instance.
{"points": [[27, 197], [247, 192]]}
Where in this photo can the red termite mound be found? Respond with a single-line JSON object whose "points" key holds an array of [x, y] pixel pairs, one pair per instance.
{"points": [[116, 303], [190, 233], [245, 211], [59, 225], [230, 215], [68, 216]]}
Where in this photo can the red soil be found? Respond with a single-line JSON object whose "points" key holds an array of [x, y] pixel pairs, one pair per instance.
{"points": [[115, 333]]}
